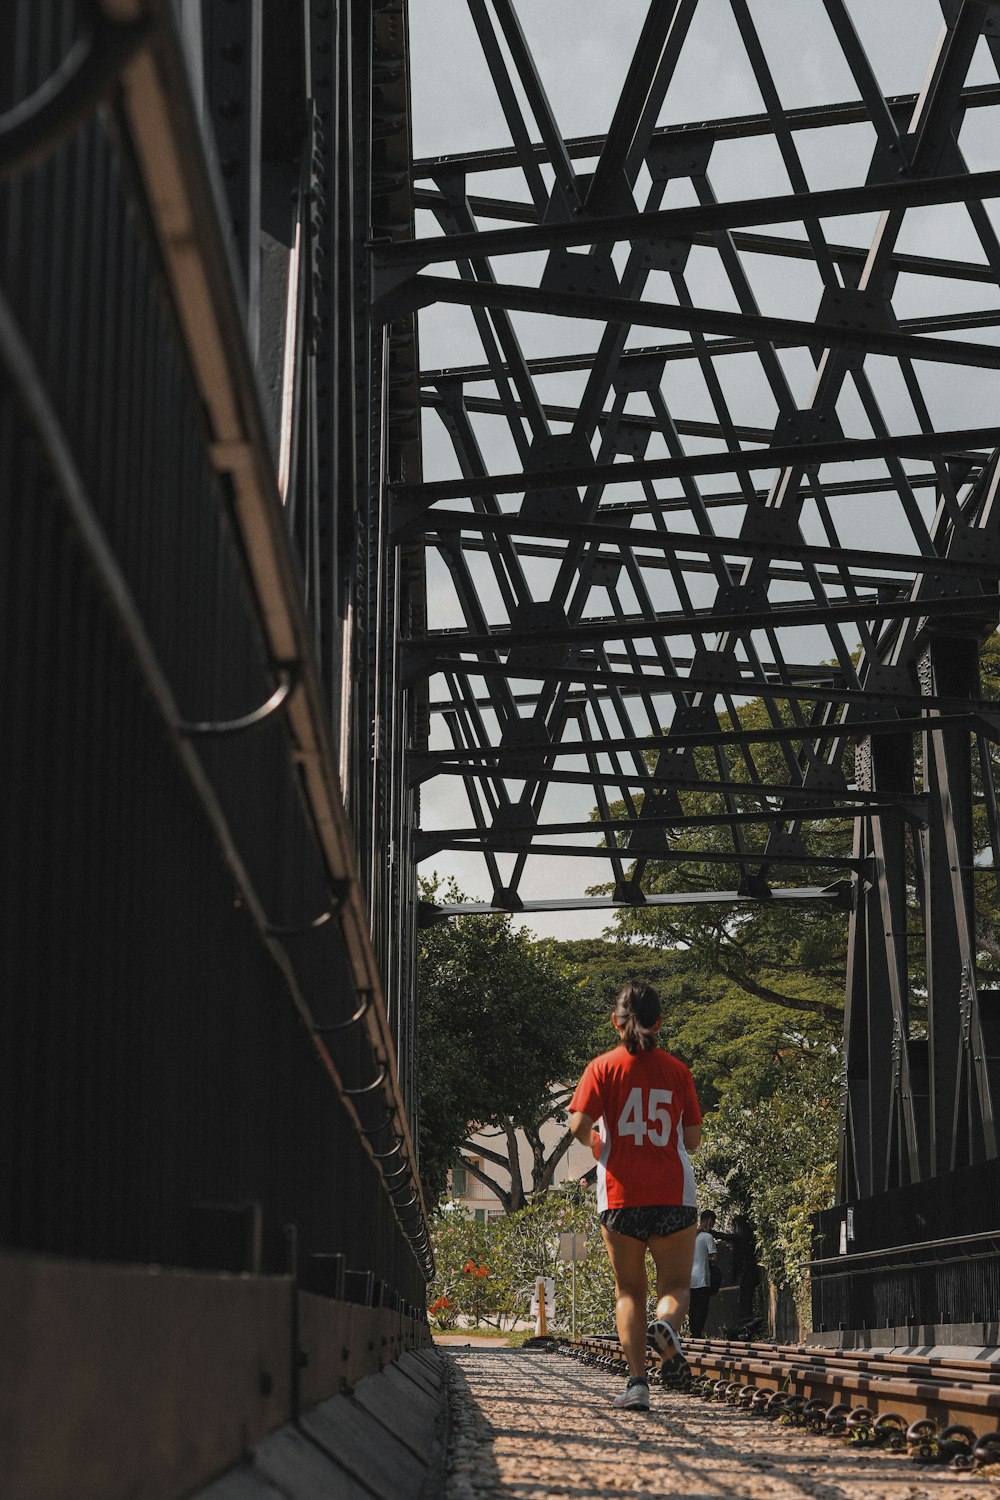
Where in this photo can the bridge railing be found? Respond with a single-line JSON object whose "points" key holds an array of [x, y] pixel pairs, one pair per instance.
{"points": [[919, 1260]]}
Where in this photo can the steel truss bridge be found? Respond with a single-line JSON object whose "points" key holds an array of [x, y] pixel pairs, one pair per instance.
{"points": [[736, 477], [246, 636]]}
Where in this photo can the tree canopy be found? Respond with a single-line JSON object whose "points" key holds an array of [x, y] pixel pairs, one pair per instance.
{"points": [[499, 1023], [507, 1022]]}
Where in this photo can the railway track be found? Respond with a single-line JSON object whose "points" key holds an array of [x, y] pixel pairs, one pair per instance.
{"points": [[940, 1410]]}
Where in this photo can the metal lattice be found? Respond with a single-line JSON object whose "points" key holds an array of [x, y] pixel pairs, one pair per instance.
{"points": [[750, 486]]}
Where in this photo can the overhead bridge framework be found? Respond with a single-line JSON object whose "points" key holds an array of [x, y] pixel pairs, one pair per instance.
{"points": [[783, 494]]}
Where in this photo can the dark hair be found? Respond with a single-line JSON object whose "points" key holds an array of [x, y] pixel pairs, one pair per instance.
{"points": [[637, 1010]]}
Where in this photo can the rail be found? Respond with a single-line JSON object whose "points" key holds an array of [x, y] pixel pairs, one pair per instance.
{"points": [[939, 1409], [852, 1262]]}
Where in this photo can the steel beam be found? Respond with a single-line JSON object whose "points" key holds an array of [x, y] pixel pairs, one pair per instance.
{"points": [[644, 540], [812, 895], [699, 623], [734, 127], [422, 291], [681, 223], [912, 445]]}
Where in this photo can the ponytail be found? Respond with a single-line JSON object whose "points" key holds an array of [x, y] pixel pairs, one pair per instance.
{"points": [[637, 1010]]}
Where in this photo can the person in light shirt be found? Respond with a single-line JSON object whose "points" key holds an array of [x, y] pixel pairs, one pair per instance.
{"points": [[706, 1253], [637, 1110]]}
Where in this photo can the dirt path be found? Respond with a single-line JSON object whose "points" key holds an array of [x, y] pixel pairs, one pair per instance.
{"points": [[539, 1427]]}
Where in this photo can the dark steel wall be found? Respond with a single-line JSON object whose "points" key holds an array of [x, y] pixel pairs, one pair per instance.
{"points": [[922, 1255], [184, 1074]]}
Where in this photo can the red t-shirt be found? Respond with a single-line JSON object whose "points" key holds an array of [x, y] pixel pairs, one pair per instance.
{"points": [[642, 1101]]}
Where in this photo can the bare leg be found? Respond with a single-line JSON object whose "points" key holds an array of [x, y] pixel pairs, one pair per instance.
{"points": [[672, 1255], [628, 1262]]}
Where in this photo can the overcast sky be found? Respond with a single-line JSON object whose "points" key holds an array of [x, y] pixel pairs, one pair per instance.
{"points": [[582, 49]]}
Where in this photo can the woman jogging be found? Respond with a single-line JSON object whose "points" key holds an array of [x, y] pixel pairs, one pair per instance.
{"points": [[637, 1109]]}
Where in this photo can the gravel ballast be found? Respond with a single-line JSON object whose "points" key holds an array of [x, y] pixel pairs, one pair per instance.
{"points": [[542, 1428]]}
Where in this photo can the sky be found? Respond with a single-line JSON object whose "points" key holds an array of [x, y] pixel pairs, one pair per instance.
{"points": [[582, 49]]}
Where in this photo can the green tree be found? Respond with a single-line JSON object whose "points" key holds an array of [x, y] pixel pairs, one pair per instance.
{"points": [[769, 1152], [723, 1032], [500, 1041], [986, 773]]}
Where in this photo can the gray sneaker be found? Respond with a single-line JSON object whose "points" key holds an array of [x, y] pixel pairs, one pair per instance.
{"points": [[635, 1396], [664, 1340]]}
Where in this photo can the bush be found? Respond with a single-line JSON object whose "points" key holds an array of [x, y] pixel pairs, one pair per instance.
{"points": [[514, 1251], [772, 1155]]}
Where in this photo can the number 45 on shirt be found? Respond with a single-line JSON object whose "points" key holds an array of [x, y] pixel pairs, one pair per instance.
{"points": [[653, 1121]]}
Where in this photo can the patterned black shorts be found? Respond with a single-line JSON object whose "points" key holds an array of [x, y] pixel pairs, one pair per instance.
{"points": [[640, 1223]]}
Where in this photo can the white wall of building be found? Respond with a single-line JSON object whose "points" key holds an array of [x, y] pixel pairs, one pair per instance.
{"points": [[479, 1201]]}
